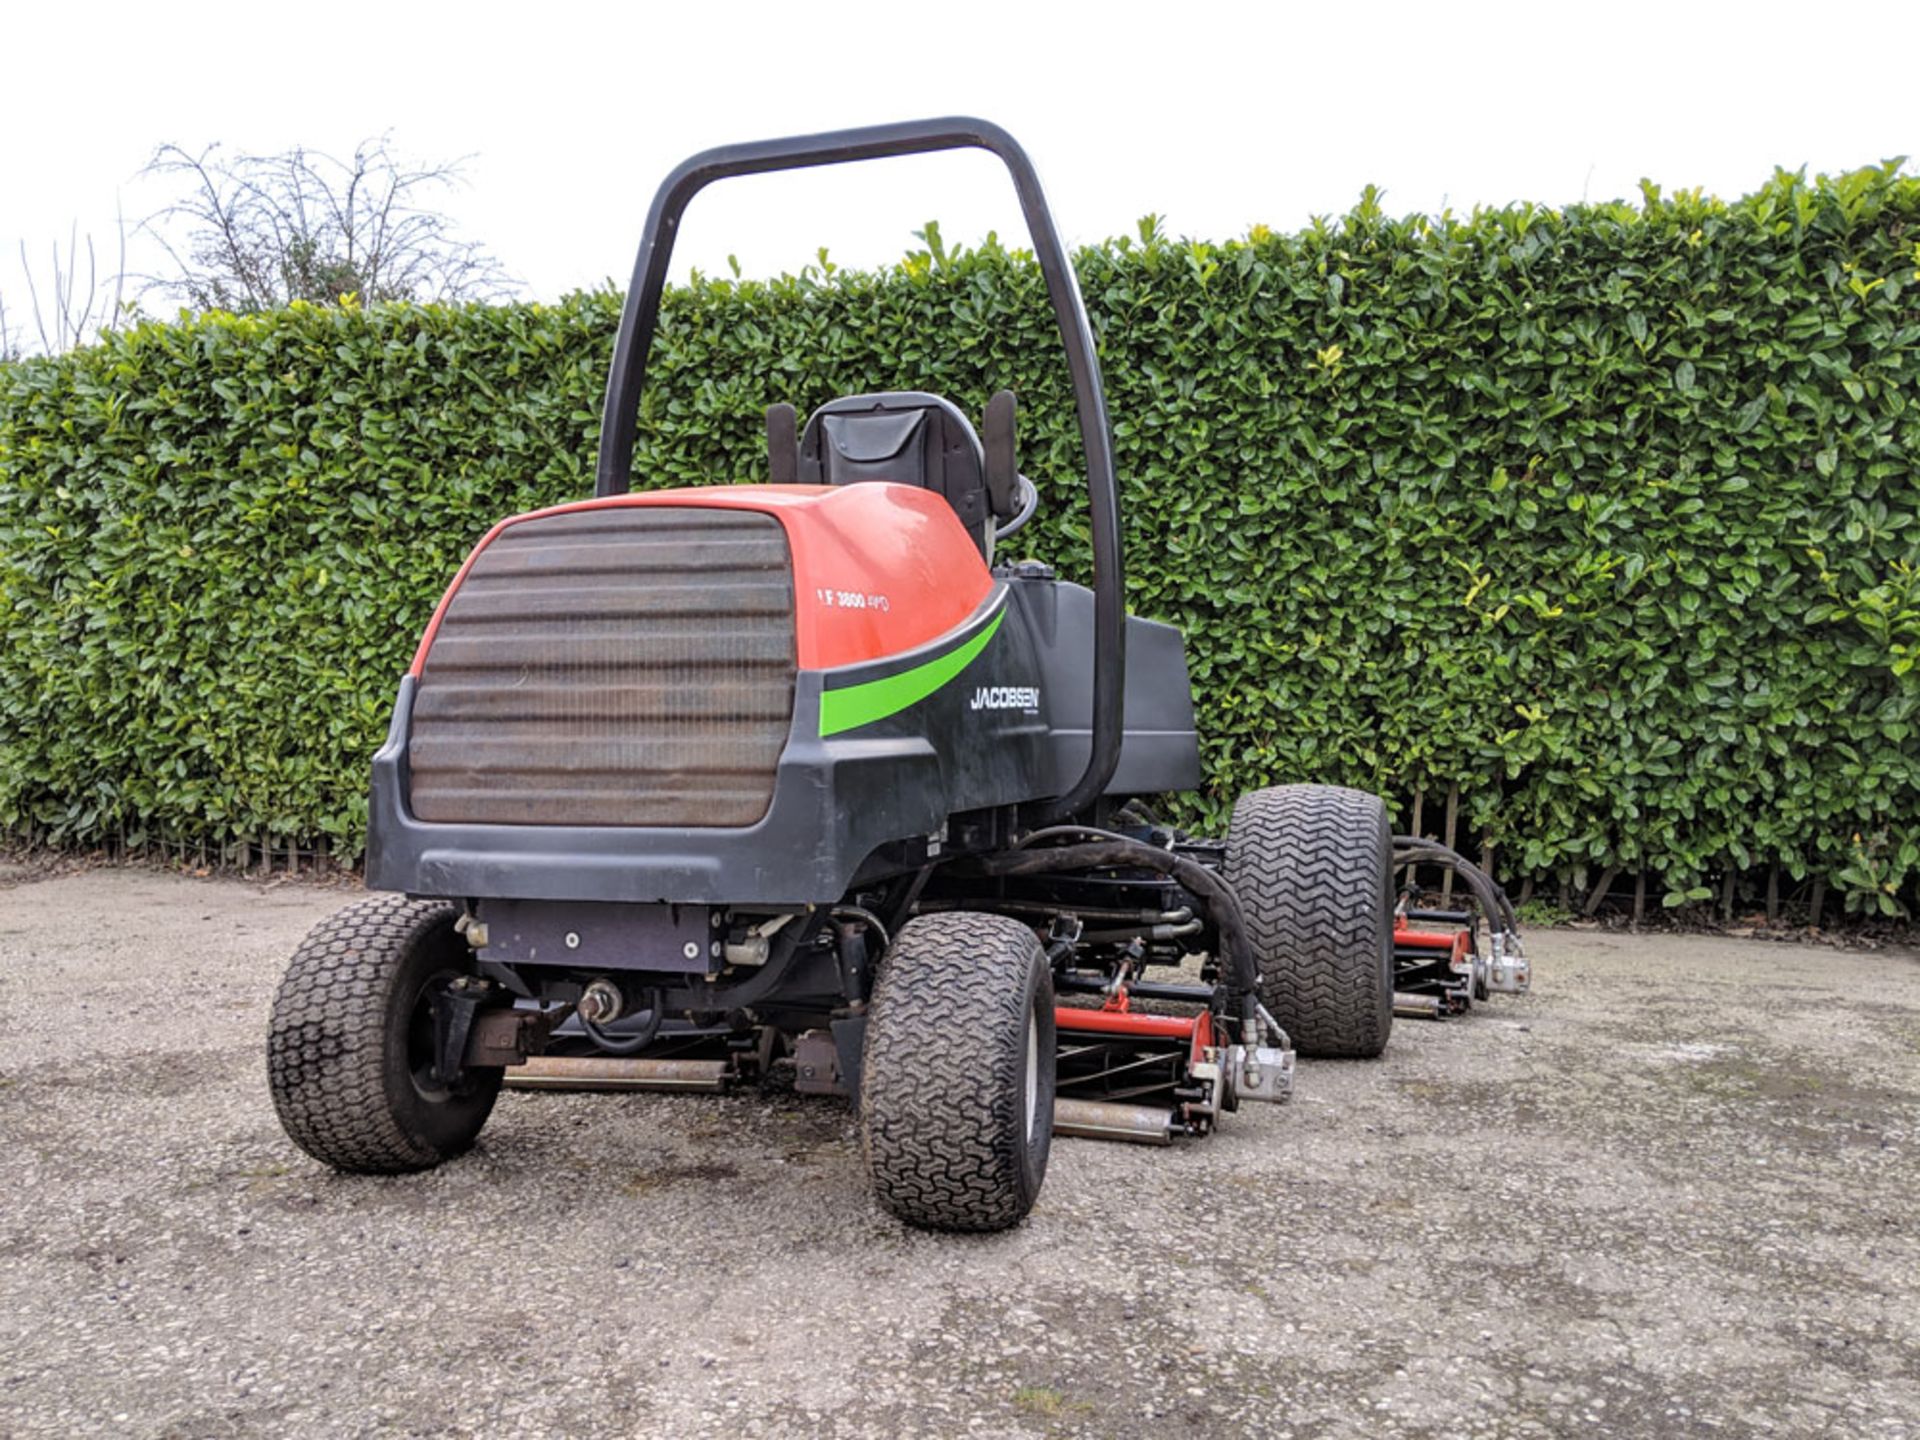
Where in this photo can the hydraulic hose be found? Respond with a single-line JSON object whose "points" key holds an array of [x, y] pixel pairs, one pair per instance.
{"points": [[634, 1043], [1413, 850], [1108, 848], [865, 917]]}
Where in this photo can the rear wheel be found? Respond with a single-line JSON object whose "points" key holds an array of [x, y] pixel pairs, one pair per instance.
{"points": [[350, 1047], [1312, 866], [956, 1090]]}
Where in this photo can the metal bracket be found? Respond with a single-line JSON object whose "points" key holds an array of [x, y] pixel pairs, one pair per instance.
{"points": [[454, 1005], [1266, 1074], [503, 1037], [1508, 973]]}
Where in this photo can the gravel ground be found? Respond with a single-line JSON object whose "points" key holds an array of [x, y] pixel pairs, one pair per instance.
{"points": [[1671, 1193]]}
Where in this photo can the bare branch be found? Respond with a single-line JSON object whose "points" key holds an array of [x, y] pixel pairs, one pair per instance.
{"points": [[33, 295], [120, 265], [93, 288], [70, 315], [263, 230]]}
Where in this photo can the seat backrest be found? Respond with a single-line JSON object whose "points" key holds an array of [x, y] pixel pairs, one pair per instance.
{"points": [[908, 437]]}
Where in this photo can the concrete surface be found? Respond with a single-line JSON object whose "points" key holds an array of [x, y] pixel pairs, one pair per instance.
{"points": [[1674, 1192]]}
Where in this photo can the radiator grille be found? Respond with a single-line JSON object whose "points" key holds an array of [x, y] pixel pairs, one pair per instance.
{"points": [[625, 666]]}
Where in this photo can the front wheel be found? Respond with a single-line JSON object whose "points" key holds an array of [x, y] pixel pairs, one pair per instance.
{"points": [[350, 1046], [956, 1090]]}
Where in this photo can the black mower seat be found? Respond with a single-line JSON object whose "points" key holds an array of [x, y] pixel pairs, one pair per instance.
{"points": [[906, 436]]}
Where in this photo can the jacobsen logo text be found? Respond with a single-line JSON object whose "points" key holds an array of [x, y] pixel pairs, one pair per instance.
{"points": [[1006, 697]]}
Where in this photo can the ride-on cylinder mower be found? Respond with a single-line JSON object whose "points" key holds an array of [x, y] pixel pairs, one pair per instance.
{"points": [[707, 775]]}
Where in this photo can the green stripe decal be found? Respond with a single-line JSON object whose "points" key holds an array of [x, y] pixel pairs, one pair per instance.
{"points": [[859, 705]]}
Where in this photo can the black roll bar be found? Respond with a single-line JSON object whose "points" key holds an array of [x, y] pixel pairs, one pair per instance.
{"points": [[641, 315]]}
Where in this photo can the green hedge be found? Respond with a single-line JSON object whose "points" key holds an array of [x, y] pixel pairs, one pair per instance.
{"points": [[1607, 515]]}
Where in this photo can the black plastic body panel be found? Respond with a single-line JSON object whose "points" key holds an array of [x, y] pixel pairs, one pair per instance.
{"points": [[1159, 747]]}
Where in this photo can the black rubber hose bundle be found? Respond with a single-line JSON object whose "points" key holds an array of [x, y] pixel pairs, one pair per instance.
{"points": [[1413, 850], [1108, 849], [636, 1041]]}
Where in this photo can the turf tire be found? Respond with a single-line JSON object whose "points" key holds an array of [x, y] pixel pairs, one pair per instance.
{"points": [[344, 1045], [956, 1116], [1312, 866]]}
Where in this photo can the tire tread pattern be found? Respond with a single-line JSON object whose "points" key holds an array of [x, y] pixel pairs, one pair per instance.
{"points": [[1312, 867], [942, 1127], [327, 1065]]}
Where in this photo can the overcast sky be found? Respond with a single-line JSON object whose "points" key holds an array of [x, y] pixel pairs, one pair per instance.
{"points": [[1215, 115]]}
